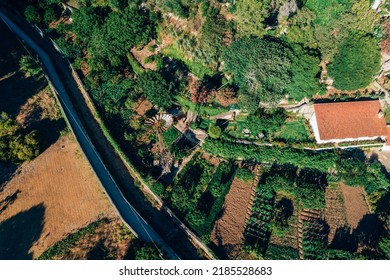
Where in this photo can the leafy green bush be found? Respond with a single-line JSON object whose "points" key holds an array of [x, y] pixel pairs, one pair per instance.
{"points": [[32, 14], [214, 131], [269, 69], [323, 161], [356, 63], [260, 67]]}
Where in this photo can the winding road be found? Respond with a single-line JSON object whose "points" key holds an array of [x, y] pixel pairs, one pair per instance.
{"points": [[126, 211]]}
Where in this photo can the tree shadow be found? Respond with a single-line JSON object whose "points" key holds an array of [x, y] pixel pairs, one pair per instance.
{"points": [[366, 236], [369, 231], [9, 200], [18, 233], [344, 240], [16, 90], [48, 131], [383, 205], [7, 171], [98, 252]]}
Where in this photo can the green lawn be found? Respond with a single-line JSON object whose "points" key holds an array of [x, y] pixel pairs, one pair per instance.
{"points": [[294, 131]]}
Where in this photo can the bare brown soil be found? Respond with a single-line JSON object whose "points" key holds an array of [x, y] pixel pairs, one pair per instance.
{"points": [[355, 204], [228, 230], [143, 106], [213, 160], [334, 211], [140, 55], [110, 240], [48, 198]]}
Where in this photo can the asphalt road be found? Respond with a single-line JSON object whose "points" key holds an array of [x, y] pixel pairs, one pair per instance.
{"points": [[128, 214]]}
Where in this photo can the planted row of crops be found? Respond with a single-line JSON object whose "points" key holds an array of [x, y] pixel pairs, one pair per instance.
{"points": [[258, 229], [315, 237]]}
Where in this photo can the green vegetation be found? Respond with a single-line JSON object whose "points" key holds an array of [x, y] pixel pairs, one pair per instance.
{"points": [[277, 252], [156, 89], [294, 131], [233, 57], [355, 64], [323, 161], [15, 144], [269, 69], [198, 194], [214, 131], [245, 175], [147, 251], [29, 66], [62, 247]]}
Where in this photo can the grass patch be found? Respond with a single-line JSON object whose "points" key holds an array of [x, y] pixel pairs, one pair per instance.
{"points": [[294, 131], [202, 110], [63, 247], [135, 65], [277, 252], [170, 135], [198, 69]]}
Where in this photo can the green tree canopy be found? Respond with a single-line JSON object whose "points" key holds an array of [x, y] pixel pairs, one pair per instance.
{"points": [[32, 14], [260, 67], [29, 66], [250, 16], [356, 63], [156, 89]]}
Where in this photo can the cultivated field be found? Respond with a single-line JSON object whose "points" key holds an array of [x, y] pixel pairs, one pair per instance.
{"points": [[48, 198], [228, 230], [355, 204]]}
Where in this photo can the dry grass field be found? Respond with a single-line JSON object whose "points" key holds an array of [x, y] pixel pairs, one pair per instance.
{"points": [[48, 198]]}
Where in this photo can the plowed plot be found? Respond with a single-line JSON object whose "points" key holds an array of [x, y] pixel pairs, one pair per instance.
{"points": [[355, 205], [49, 197], [334, 211], [228, 230]]}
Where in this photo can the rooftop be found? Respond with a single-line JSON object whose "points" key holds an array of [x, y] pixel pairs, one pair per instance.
{"points": [[349, 121]]}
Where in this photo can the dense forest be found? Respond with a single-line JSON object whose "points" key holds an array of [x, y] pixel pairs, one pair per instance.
{"points": [[203, 59]]}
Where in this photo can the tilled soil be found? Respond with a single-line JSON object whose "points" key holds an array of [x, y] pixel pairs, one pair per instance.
{"points": [[334, 211], [228, 230], [48, 198], [355, 204]]}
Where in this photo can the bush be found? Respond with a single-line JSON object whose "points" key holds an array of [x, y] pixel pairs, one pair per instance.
{"points": [[29, 66], [32, 15], [214, 131], [356, 63]]}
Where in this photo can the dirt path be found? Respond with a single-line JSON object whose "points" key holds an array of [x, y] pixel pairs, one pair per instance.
{"points": [[50, 197], [228, 230], [355, 204]]}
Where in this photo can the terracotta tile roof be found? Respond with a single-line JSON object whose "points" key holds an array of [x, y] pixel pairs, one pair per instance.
{"points": [[341, 120]]}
